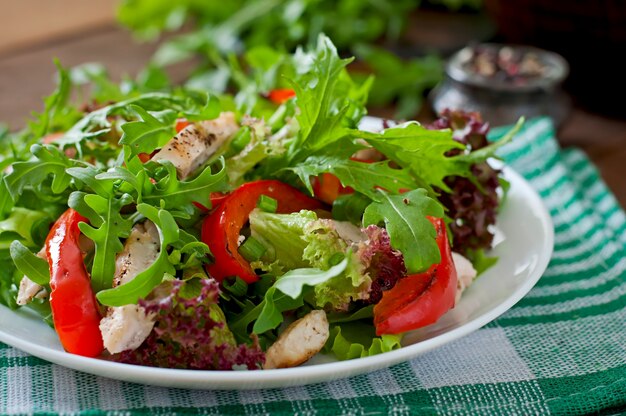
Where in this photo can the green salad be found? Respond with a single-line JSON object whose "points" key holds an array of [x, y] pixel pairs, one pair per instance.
{"points": [[173, 227]]}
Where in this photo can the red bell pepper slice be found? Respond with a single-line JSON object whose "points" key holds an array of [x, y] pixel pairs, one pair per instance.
{"points": [[221, 229], [280, 95], [181, 123], [74, 308], [327, 187], [419, 299], [216, 198]]}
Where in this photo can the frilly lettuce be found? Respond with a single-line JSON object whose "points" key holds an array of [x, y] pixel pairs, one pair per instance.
{"points": [[190, 331], [301, 240]]}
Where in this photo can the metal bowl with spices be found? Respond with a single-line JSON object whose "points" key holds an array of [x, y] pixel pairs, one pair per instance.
{"points": [[504, 82]]}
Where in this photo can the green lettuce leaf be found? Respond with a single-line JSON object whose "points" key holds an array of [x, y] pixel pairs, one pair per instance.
{"points": [[299, 240], [288, 292], [409, 230], [24, 225], [358, 340]]}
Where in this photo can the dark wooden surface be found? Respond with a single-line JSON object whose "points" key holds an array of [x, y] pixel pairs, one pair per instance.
{"points": [[27, 74]]}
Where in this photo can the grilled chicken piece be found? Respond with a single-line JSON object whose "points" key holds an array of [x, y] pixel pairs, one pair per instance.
{"points": [[299, 342], [465, 274], [126, 327], [193, 146], [29, 290]]}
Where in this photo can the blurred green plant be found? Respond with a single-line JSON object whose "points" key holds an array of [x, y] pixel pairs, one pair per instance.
{"points": [[221, 31]]}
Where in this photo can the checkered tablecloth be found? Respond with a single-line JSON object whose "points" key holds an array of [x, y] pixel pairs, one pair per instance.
{"points": [[561, 350]]}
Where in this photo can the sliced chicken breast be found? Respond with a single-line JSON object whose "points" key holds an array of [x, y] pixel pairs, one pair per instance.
{"points": [[299, 342], [465, 274], [126, 327], [196, 143], [29, 290]]}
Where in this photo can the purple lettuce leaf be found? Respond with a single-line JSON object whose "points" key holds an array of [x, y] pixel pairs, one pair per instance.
{"points": [[473, 203], [191, 333], [384, 264]]}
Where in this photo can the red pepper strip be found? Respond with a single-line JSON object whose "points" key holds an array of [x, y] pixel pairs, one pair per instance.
{"points": [[327, 187], [216, 199], [280, 95], [420, 299], [74, 308], [221, 229], [145, 157], [181, 123]]}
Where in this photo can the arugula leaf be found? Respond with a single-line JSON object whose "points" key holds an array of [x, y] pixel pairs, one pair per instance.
{"points": [[87, 175], [144, 282], [362, 177], [30, 265], [486, 152], [409, 230], [422, 151], [147, 134], [56, 112], [106, 229], [210, 111], [321, 112], [76, 201], [179, 194], [98, 122], [48, 160], [287, 293]]}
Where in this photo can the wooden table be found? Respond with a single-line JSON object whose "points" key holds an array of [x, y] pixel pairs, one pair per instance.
{"points": [[27, 74]]}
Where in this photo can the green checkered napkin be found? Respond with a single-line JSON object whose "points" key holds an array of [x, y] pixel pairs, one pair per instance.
{"points": [[560, 350]]}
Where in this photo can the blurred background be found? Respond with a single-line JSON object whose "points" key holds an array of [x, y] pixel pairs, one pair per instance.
{"points": [[405, 43]]}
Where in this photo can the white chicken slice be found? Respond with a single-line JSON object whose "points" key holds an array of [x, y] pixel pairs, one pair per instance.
{"points": [[465, 274], [193, 146], [29, 290], [299, 342], [126, 327]]}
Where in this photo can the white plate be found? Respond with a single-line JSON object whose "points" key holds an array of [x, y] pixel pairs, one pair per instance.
{"points": [[524, 246]]}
